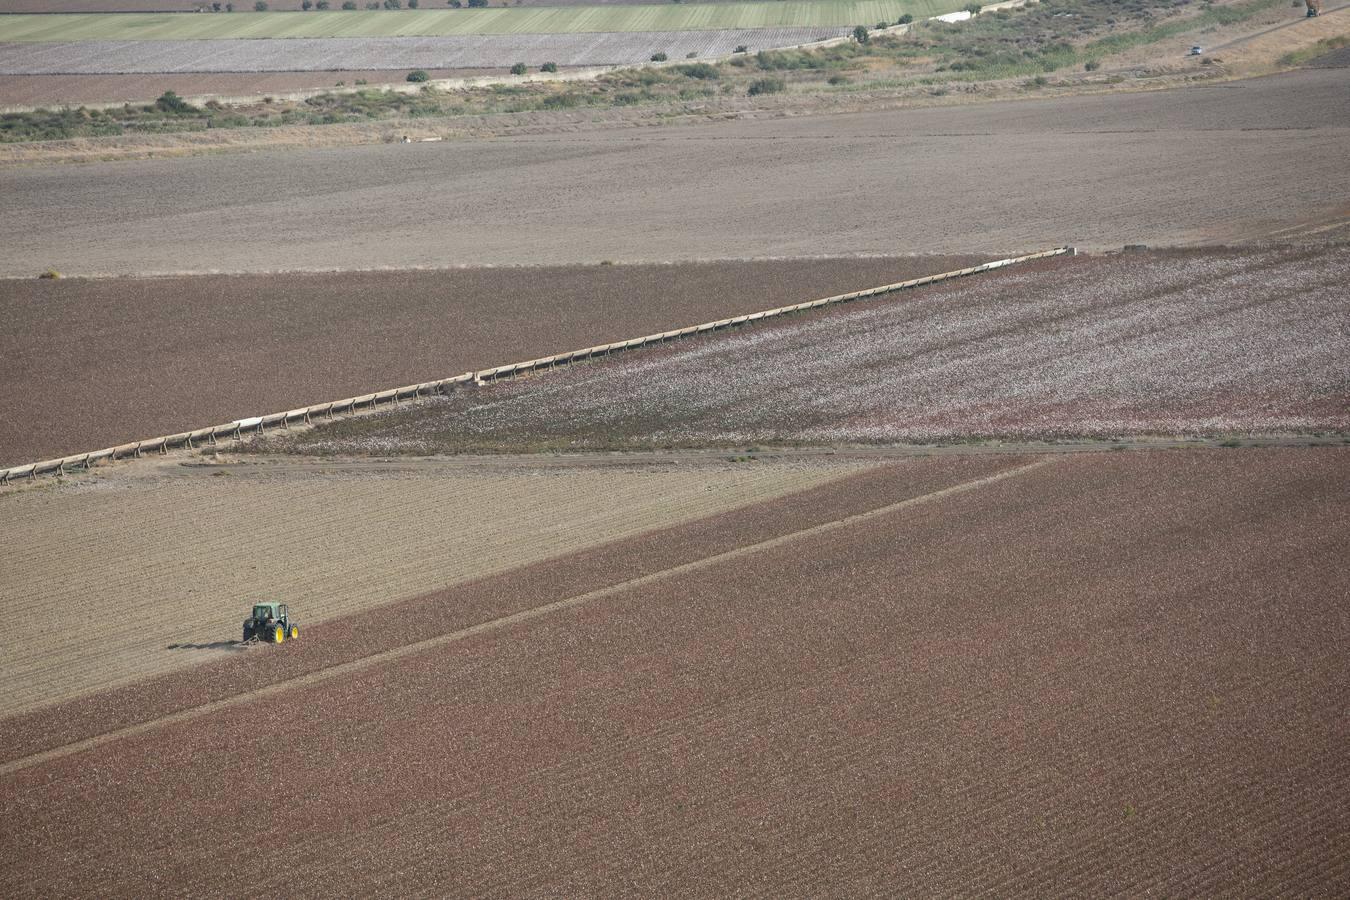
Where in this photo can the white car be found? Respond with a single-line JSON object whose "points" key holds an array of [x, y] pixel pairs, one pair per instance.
{"points": [[1197, 50]]}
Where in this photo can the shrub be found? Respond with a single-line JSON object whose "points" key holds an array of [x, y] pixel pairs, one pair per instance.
{"points": [[659, 57], [691, 54], [306, 5], [477, 4], [215, 7], [518, 68], [839, 79], [973, 8], [741, 48], [549, 67], [453, 4], [321, 5], [260, 6], [373, 4], [229, 7], [767, 86], [906, 19], [412, 4], [701, 71], [1091, 65], [393, 4], [882, 25], [349, 4], [418, 75], [51, 274], [860, 34], [172, 103]]}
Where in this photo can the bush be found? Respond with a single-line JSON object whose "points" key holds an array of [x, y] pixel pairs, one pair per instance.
{"points": [[767, 86], [307, 5], [393, 4], [659, 57], [349, 4], [839, 79], [51, 274], [973, 8], [701, 71], [412, 4], [518, 68], [229, 7], [477, 4], [373, 4], [691, 54], [418, 75], [882, 25], [1091, 65], [172, 103], [741, 48], [321, 5], [906, 19], [549, 67], [260, 6], [860, 34]]}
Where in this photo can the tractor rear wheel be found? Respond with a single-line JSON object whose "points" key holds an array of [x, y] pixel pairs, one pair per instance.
{"points": [[278, 635], [248, 633], [295, 632]]}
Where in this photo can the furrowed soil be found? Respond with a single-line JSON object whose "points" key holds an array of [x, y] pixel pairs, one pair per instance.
{"points": [[134, 358], [171, 590], [1107, 673], [1203, 342], [1206, 164]]}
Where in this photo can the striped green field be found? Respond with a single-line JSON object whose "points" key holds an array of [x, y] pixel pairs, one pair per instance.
{"points": [[432, 22]]}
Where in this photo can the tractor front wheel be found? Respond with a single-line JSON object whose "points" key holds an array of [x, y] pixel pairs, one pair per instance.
{"points": [[278, 635], [295, 632]]}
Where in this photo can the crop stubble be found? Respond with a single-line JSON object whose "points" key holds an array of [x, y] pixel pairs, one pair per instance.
{"points": [[1180, 343], [1204, 164], [134, 358], [1109, 673]]}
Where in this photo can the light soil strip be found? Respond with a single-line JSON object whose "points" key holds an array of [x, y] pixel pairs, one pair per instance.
{"points": [[170, 591], [504, 622]]}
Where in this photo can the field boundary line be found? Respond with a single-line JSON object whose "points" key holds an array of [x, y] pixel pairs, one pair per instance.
{"points": [[507, 621], [368, 402]]}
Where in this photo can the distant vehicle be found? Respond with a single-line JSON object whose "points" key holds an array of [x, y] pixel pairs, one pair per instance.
{"points": [[1314, 7], [270, 622], [1197, 50]]}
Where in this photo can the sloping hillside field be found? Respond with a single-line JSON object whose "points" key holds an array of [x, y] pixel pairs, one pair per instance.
{"points": [[1073, 675], [1177, 343]]}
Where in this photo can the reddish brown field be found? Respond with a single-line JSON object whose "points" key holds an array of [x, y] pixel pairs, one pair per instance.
{"points": [[1116, 673], [92, 363]]}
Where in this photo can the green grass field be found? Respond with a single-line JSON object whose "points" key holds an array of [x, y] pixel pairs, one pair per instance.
{"points": [[430, 22]]}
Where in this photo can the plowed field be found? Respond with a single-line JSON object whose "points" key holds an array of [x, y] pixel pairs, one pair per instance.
{"points": [[1204, 164], [170, 591], [160, 355], [1117, 673], [1200, 342]]}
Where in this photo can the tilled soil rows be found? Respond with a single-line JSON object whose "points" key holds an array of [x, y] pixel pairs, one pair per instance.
{"points": [[88, 364], [1204, 164], [1038, 685], [1180, 343], [171, 561]]}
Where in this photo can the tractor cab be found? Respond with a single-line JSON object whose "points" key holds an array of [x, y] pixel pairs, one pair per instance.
{"points": [[270, 622]]}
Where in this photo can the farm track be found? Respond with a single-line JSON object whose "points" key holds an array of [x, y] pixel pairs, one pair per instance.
{"points": [[169, 591], [996, 691], [159, 355], [980, 177]]}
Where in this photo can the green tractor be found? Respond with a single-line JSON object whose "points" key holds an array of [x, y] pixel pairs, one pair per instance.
{"points": [[270, 622]]}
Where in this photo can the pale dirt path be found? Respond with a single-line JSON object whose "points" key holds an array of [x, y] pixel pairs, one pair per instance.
{"points": [[136, 575]]}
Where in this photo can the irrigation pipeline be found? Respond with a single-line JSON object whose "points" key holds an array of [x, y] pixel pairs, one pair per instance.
{"points": [[236, 430]]}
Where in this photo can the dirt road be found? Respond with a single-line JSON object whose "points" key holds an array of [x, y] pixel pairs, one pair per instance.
{"points": [[1220, 163], [999, 676]]}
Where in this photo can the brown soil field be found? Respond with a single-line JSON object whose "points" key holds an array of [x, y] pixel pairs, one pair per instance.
{"points": [[1110, 673], [1207, 342], [206, 545], [74, 90], [159, 355], [1207, 164]]}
